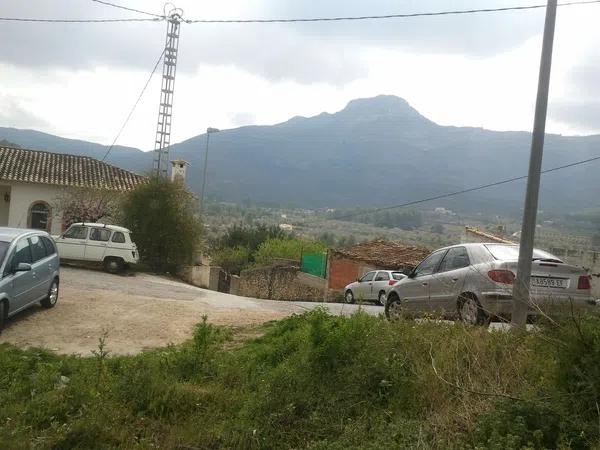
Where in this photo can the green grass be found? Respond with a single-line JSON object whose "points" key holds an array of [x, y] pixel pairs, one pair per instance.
{"points": [[318, 382]]}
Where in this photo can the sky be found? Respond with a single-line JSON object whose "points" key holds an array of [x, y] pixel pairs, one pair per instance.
{"points": [[80, 80]]}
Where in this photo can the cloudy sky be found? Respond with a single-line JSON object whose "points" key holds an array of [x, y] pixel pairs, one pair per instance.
{"points": [[80, 80]]}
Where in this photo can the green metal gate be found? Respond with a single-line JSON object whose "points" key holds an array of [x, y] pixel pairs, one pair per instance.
{"points": [[315, 264]]}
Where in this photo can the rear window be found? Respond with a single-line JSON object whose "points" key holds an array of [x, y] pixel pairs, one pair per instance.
{"points": [[511, 252], [398, 276], [118, 237], [38, 249]]}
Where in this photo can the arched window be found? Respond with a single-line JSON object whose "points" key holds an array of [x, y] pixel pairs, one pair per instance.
{"points": [[39, 216]]}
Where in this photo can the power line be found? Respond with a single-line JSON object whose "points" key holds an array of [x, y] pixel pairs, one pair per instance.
{"points": [[391, 16], [18, 19], [134, 106], [129, 9], [464, 191]]}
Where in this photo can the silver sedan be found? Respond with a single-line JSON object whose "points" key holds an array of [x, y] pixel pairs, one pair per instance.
{"points": [[474, 283]]}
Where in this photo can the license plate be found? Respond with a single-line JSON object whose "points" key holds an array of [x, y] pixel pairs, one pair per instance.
{"points": [[559, 283]]}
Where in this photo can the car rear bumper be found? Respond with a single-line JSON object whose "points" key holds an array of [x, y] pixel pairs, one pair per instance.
{"points": [[501, 303]]}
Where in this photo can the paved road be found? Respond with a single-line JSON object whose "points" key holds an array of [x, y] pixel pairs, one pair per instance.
{"points": [[140, 311]]}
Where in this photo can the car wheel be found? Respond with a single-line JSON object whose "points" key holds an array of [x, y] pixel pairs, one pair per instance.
{"points": [[393, 308], [52, 297], [349, 296], [3, 313], [114, 265], [470, 311], [381, 298]]}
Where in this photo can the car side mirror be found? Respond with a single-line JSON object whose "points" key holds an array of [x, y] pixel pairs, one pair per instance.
{"points": [[23, 267], [412, 274]]}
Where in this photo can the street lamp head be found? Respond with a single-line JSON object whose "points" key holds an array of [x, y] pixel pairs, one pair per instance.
{"points": [[212, 130]]}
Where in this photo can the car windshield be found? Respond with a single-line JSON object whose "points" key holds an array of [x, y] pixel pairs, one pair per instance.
{"points": [[398, 275], [511, 252], [3, 248]]}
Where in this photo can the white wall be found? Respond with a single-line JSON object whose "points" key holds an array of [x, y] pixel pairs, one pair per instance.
{"points": [[23, 195]]}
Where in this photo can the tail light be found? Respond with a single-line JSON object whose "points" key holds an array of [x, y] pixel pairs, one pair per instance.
{"points": [[392, 282], [584, 282], [502, 276]]}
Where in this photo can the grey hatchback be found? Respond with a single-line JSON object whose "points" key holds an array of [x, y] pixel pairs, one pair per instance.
{"points": [[29, 266]]}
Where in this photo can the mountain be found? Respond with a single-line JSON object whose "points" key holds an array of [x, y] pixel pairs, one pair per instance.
{"points": [[375, 152]]}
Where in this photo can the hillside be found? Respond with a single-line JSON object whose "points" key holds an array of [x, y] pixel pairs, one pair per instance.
{"points": [[376, 151]]}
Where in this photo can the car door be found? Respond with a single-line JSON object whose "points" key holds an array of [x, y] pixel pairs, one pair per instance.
{"points": [[414, 291], [40, 269], [71, 245], [21, 283], [380, 283], [447, 282], [365, 286], [97, 241]]}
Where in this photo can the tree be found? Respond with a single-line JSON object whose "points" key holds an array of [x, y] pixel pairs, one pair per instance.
{"points": [[249, 236], [286, 249], [87, 205], [232, 260], [162, 218], [437, 228]]}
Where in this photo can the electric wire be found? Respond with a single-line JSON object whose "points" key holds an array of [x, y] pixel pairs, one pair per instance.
{"points": [[114, 5], [19, 19], [392, 16], [464, 191], [134, 106]]}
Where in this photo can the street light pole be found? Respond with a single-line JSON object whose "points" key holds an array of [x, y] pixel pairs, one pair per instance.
{"points": [[209, 131], [521, 285]]}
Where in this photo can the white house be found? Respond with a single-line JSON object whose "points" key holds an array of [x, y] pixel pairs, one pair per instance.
{"points": [[31, 181]]}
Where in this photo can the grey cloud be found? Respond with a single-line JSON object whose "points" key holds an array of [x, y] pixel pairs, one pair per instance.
{"points": [[13, 113], [242, 118], [583, 114], [307, 53]]}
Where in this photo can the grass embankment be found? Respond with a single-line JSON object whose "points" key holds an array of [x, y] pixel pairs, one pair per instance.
{"points": [[319, 382]]}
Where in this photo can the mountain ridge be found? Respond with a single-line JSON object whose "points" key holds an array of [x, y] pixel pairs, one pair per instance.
{"points": [[374, 152]]}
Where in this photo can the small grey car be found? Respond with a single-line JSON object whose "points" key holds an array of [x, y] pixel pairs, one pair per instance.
{"points": [[29, 267], [474, 282]]}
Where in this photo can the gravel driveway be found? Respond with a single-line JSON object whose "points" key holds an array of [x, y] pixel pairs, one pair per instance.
{"points": [[138, 312]]}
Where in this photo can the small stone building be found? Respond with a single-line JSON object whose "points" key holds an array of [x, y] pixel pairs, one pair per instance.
{"points": [[347, 265]]}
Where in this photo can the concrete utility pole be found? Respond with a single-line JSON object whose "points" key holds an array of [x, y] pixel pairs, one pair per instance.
{"points": [[521, 286], [209, 131]]}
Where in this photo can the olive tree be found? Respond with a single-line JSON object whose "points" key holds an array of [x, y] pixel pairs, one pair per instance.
{"points": [[162, 216]]}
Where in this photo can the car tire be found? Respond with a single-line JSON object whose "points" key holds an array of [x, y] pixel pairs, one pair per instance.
{"points": [[393, 308], [3, 313], [381, 298], [470, 311], [52, 298], [113, 265], [349, 296]]}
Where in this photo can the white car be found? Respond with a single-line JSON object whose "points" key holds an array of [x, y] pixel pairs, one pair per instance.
{"points": [[96, 242], [373, 285]]}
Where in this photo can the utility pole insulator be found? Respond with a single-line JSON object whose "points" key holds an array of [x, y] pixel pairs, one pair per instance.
{"points": [[162, 142]]}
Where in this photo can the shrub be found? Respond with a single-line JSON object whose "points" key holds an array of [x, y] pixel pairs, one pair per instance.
{"points": [[286, 249], [162, 217], [232, 260]]}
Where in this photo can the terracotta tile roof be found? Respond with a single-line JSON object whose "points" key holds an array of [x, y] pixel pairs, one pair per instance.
{"points": [[385, 254], [488, 236], [32, 166]]}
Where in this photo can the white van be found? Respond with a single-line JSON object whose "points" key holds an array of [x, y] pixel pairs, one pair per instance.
{"points": [[96, 242]]}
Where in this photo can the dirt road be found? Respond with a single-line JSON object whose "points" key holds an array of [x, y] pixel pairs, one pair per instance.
{"points": [[138, 312]]}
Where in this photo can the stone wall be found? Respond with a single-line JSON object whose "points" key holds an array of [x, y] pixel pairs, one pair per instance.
{"points": [[202, 276], [281, 283]]}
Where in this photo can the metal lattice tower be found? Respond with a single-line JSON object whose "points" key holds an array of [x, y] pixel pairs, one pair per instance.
{"points": [[165, 110]]}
